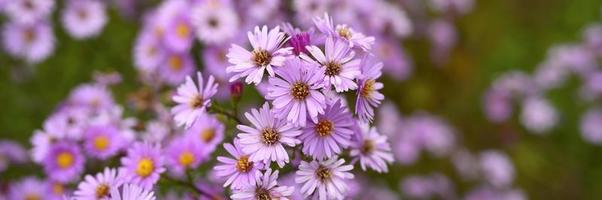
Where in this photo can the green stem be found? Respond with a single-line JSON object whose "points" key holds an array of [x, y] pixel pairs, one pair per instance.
{"points": [[219, 110]]}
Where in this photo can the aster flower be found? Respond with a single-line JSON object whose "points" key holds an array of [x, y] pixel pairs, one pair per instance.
{"points": [[207, 132], [92, 95], [241, 172], [214, 21], [538, 115], [267, 52], [260, 10], [178, 33], [266, 188], [142, 165], [84, 18], [266, 139], [148, 52], [175, 67], [33, 42], [97, 187], [340, 67], [192, 100], [28, 11], [371, 149], [327, 136], [183, 153], [396, 63], [132, 192], [103, 140], [325, 179], [497, 168], [368, 95], [306, 9], [343, 32], [64, 161], [11, 153], [295, 94], [28, 188], [590, 126]]}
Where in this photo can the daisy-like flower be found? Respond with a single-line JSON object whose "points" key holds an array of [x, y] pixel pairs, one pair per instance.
{"points": [[132, 192], [148, 52], [103, 140], [324, 179], [178, 34], [27, 189], [340, 67], [192, 100], [64, 161], [97, 187], [241, 171], [207, 132], [266, 188], [28, 11], [343, 32], [371, 149], [183, 153], [368, 96], [142, 165], [266, 139], [92, 95], [295, 94], [214, 22], [175, 67], [327, 136], [11, 153], [267, 53], [84, 18], [33, 41]]}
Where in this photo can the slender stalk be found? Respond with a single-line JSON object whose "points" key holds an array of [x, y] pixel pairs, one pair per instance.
{"points": [[219, 110]]}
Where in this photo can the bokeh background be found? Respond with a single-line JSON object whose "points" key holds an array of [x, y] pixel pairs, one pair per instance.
{"points": [[495, 37]]}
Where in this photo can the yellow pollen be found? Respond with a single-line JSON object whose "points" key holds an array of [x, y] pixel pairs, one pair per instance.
{"points": [[300, 91], [186, 158], [269, 136], [207, 135], [101, 143], [145, 167], [182, 30], [243, 164], [64, 160], [368, 88], [323, 173], [332, 68], [196, 102], [324, 127], [102, 191], [175, 63], [58, 189], [261, 57], [344, 32], [262, 194]]}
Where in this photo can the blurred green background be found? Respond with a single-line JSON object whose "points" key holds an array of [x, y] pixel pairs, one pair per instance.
{"points": [[495, 37]]}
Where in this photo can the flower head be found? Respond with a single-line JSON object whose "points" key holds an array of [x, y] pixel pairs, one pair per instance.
{"points": [[84, 18], [28, 11], [371, 149], [175, 67], [296, 94], [192, 100], [103, 141], [266, 188], [97, 187], [33, 42], [64, 161], [207, 132], [325, 179], [266, 139], [28, 188], [142, 165], [241, 171], [132, 192], [343, 32], [214, 21], [267, 53], [368, 96], [326, 137], [182, 154], [340, 67]]}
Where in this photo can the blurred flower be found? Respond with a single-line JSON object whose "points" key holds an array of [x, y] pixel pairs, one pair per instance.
{"points": [[178, 34], [241, 172], [93, 96], [29, 11], [389, 119], [142, 165], [103, 140], [208, 132], [132, 192], [325, 137], [397, 64], [148, 52], [97, 187], [538, 115], [368, 96], [193, 101], [324, 179], [590, 126], [33, 41], [184, 153], [175, 67], [267, 52], [266, 139], [28, 188], [497, 105], [84, 18], [390, 18], [443, 36], [64, 162], [496, 168], [215, 22], [11, 153], [371, 149], [266, 187]]}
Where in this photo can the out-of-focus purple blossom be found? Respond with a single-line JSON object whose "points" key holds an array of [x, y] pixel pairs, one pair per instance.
{"points": [[184, 153], [538, 115], [175, 67], [148, 52], [11, 153], [92, 96], [592, 86], [143, 165], [517, 83], [390, 18], [397, 64], [489, 193], [28, 188], [371, 149], [435, 134], [443, 36], [497, 105], [215, 21], [208, 132], [550, 74], [456, 6], [389, 119], [33, 42], [260, 10], [466, 164], [306, 9], [64, 162], [590, 126], [178, 34], [593, 38], [28, 11], [103, 140], [84, 18], [576, 58], [193, 101], [427, 187], [496, 168]]}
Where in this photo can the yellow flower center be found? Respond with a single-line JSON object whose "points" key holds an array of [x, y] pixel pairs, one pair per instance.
{"points": [[261, 57], [323, 173], [262, 194], [269, 136], [368, 88], [196, 102], [102, 191], [300, 91], [101, 143], [324, 127], [182, 30], [186, 158], [344, 32], [175, 63], [243, 164], [332, 68], [64, 160], [207, 135], [145, 167]]}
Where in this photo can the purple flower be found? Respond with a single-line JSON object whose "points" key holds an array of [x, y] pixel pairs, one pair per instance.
{"points": [[97, 187], [103, 140], [397, 64], [182, 153], [266, 187], [215, 22], [132, 192], [11, 153], [148, 52], [28, 188], [496, 168], [390, 19], [192, 100], [260, 10], [295, 94], [33, 42], [299, 41], [343, 32], [266, 139], [306, 9], [332, 131], [325, 179], [371, 149], [28, 11], [241, 172], [178, 34], [84, 18], [267, 52], [92, 95], [497, 105], [368, 96], [538, 115], [64, 162], [590, 126], [207, 132], [175, 67], [142, 165], [340, 67]]}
